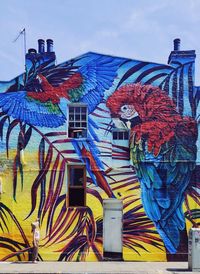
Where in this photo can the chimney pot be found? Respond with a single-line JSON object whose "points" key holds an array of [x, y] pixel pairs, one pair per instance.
{"points": [[177, 43], [41, 46], [32, 51], [49, 45]]}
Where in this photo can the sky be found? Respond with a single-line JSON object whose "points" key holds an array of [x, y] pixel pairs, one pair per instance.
{"points": [[142, 30]]}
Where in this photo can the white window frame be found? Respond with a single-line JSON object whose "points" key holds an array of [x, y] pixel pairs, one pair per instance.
{"points": [[77, 129]]}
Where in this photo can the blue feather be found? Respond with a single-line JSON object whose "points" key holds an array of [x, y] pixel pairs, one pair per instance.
{"points": [[98, 74], [19, 106], [166, 240], [164, 180], [162, 197]]}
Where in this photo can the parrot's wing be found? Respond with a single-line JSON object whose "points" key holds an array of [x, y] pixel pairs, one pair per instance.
{"points": [[98, 76], [164, 179], [19, 106], [56, 76], [98, 73]]}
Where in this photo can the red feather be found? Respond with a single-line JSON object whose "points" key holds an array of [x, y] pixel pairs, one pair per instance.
{"points": [[53, 94]]}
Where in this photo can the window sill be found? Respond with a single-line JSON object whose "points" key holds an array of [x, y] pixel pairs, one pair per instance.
{"points": [[79, 139]]}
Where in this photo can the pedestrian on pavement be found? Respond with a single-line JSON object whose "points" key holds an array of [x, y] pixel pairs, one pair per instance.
{"points": [[36, 237]]}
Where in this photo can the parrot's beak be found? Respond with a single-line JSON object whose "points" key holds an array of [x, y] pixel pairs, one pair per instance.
{"points": [[119, 123], [135, 121]]}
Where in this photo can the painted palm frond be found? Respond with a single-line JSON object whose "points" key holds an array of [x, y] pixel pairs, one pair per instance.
{"points": [[138, 230], [23, 139], [51, 162], [123, 179], [82, 239], [75, 226], [23, 133], [5, 213], [175, 84], [56, 169], [14, 247], [94, 193], [192, 193], [66, 219], [193, 215]]}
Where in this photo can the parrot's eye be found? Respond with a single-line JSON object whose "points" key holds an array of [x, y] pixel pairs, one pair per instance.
{"points": [[128, 112], [124, 108]]}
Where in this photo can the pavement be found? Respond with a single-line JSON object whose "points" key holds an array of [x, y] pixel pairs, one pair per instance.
{"points": [[96, 267]]}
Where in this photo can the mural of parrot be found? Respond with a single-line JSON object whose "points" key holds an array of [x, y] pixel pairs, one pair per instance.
{"points": [[163, 151], [84, 80], [85, 84]]}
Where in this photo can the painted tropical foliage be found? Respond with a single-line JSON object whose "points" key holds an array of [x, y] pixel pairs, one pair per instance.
{"points": [[154, 172]]}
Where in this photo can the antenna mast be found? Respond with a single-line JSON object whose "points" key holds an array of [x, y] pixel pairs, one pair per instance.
{"points": [[22, 32]]}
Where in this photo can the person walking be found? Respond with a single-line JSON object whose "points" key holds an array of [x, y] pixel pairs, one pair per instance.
{"points": [[36, 238]]}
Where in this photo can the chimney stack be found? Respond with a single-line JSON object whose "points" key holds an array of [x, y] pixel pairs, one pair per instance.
{"points": [[177, 43], [181, 56], [49, 45], [40, 46], [44, 56]]}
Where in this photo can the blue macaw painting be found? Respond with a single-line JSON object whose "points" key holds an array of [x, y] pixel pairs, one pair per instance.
{"points": [[92, 128]]}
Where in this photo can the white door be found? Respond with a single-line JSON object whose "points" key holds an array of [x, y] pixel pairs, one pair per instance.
{"points": [[112, 225]]}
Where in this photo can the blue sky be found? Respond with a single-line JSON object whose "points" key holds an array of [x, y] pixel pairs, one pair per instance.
{"points": [[142, 29]]}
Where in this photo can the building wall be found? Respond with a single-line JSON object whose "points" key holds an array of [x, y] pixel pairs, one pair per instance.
{"points": [[36, 152]]}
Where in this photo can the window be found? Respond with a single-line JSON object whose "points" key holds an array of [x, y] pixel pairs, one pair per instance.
{"points": [[120, 148], [77, 185], [77, 121], [120, 135]]}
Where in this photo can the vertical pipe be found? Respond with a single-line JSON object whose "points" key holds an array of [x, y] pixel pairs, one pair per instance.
{"points": [[49, 45], [41, 46], [177, 43]]}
